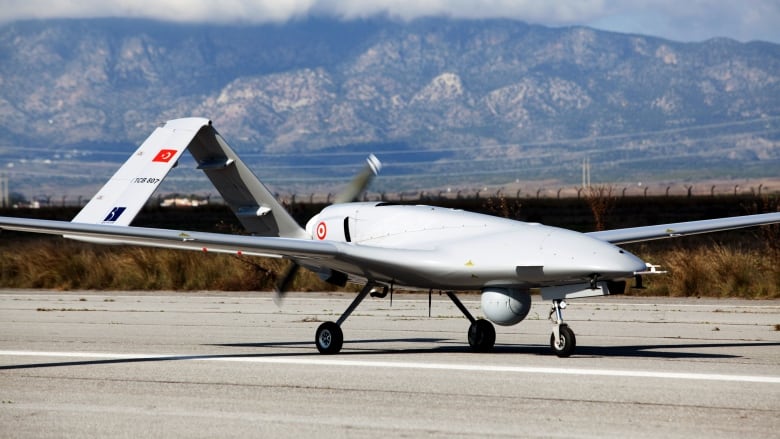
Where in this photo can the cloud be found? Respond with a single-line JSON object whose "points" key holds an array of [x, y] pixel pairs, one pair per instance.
{"points": [[528, 10], [257, 11], [691, 20]]}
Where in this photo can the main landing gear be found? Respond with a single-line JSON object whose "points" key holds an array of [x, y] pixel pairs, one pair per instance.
{"points": [[562, 340], [482, 334], [330, 338]]}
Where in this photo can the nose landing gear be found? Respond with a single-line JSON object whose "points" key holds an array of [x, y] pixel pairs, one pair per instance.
{"points": [[562, 340]]}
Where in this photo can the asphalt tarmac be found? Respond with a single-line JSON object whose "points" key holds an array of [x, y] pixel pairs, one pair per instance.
{"points": [[90, 364]]}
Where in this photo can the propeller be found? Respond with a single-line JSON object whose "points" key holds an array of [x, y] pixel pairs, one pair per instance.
{"points": [[349, 194], [284, 282], [360, 182]]}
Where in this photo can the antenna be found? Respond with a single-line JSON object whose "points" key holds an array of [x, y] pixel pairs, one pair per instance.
{"points": [[586, 173], [5, 200]]}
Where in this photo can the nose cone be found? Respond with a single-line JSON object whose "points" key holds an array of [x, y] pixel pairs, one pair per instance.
{"points": [[577, 256]]}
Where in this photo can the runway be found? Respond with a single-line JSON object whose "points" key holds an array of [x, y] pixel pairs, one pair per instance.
{"points": [[88, 364]]}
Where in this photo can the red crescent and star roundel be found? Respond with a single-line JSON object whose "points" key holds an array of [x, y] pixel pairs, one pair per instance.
{"points": [[322, 230]]}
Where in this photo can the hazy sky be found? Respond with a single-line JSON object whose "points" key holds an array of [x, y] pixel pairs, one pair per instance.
{"points": [[683, 20]]}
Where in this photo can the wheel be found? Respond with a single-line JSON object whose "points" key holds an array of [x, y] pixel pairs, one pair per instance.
{"points": [[565, 346], [482, 336], [329, 338]]}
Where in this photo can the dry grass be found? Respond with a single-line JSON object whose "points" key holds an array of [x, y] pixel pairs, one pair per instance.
{"points": [[66, 265], [714, 271], [708, 271]]}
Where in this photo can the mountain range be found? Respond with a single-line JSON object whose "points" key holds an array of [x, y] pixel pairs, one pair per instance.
{"points": [[443, 102]]}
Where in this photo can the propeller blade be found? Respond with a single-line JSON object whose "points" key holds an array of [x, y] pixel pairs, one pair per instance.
{"points": [[284, 282], [351, 193], [360, 182]]}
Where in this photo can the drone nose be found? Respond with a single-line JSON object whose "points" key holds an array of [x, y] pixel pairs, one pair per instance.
{"points": [[625, 263], [581, 255]]}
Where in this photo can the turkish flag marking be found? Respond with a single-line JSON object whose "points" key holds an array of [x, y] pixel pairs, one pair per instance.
{"points": [[165, 155]]}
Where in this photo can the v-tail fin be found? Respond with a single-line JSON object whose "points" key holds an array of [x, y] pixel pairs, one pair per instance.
{"points": [[122, 197], [250, 200]]}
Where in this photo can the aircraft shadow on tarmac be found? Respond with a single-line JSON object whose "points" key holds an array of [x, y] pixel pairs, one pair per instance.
{"points": [[449, 345], [644, 351]]}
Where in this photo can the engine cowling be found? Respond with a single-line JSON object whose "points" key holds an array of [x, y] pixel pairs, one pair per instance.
{"points": [[505, 306]]}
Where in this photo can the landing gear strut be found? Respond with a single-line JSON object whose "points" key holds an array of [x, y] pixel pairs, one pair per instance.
{"points": [[482, 334], [562, 340], [329, 337]]}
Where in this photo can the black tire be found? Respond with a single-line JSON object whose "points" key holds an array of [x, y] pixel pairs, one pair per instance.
{"points": [[568, 342], [329, 338], [482, 336]]}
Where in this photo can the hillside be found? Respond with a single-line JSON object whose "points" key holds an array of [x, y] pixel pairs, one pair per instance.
{"points": [[461, 102]]}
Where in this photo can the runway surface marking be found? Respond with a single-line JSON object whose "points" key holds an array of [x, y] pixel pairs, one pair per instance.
{"points": [[241, 358]]}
